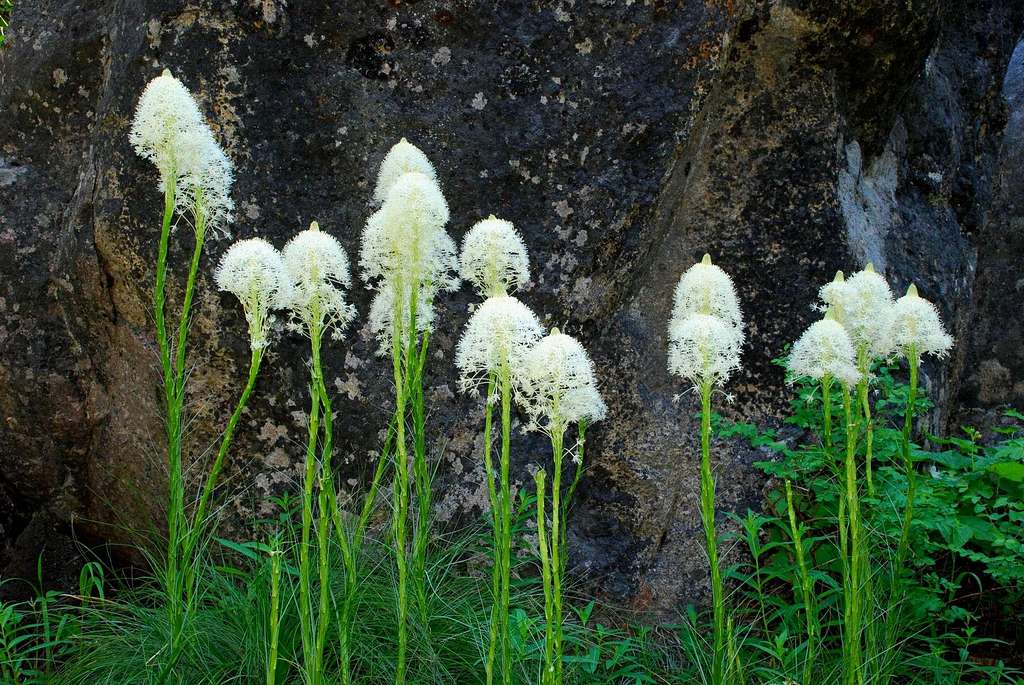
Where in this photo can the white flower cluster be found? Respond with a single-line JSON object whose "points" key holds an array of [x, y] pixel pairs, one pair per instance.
{"points": [[317, 269], [861, 304], [706, 329], [406, 251], [559, 384], [497, 339], [824, 351], [914, 326], [170, 131], [864, 324], [253, 271], [494, 258]]}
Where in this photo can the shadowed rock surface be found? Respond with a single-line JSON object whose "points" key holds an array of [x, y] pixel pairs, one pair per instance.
{"points": [[788, 139]]}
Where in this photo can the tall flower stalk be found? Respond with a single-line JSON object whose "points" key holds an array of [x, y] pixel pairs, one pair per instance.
{"points": [[317, 269], [559, 389], [254, 272], [913, 329], [495, 261], [825, 353], [408, 257], [705, 337], [195, 177], [494, 347]]}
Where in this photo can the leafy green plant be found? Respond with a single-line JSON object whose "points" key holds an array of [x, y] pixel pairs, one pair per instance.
{"points": [[6, 9]]}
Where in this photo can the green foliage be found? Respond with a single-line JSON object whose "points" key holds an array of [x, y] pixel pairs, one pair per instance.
{"points": [[6, 9]]}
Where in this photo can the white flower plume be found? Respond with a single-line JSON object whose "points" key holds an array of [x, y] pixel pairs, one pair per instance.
{"points": [[169, 130], [704, 349], [494, 257], [382, 315], [405, 242], [402, 158], [204, 188], [317, 269], [706, 289], [559, 384], [498, 336], [825, 349], [253, 271], [915, 326], [862, 304]]}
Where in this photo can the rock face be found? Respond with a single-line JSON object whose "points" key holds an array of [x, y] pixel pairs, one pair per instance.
{"points": [[788, 139]]}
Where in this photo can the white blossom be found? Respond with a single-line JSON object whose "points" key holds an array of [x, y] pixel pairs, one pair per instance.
{"points": [[317, 269], [253, 271], [496, 339], [825, 349], [405, 242], [559, 386], [915, 326], [862, 305], [169, 130], [402, 158], [494, 258], [704, 349], [706, 289]]}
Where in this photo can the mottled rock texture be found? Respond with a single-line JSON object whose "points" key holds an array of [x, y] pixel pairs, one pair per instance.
{"points": [[625, 139]]}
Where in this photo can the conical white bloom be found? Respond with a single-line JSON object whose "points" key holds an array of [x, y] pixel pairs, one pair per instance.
{"points": [[494, 257], [915, 325], [704, 348], [166, 115], [706, 289], [317, 269], [170, 131], [402, 158], [499, 335], [559, 384], [382, 315], [405, 242], [825, 349], [253, 271], [862, 304]]}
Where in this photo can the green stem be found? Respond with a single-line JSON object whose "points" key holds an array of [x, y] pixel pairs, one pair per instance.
{"points": [[172, 422], [401, 494], [312, 668], [853, 620], [908, 425], [548, 676], [275, 608], [806, 586], [196, 529], [324, 496], [557, 438], [581, 428], [496, 509], [864, 364], [506, 522], [707, 506], [186, 307]]}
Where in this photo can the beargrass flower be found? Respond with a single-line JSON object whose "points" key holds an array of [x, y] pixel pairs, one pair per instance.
{"points": [[915, 325], [494, 258], [498, 336], [253, 271], [169, 130], [402, 158], [559, 384], [317, 270], [706, 289], [704, 349], [405, 242], [825, 350], [862, 305]]}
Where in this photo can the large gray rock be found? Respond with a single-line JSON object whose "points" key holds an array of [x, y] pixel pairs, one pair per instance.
{"points": [[789, 139]]}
